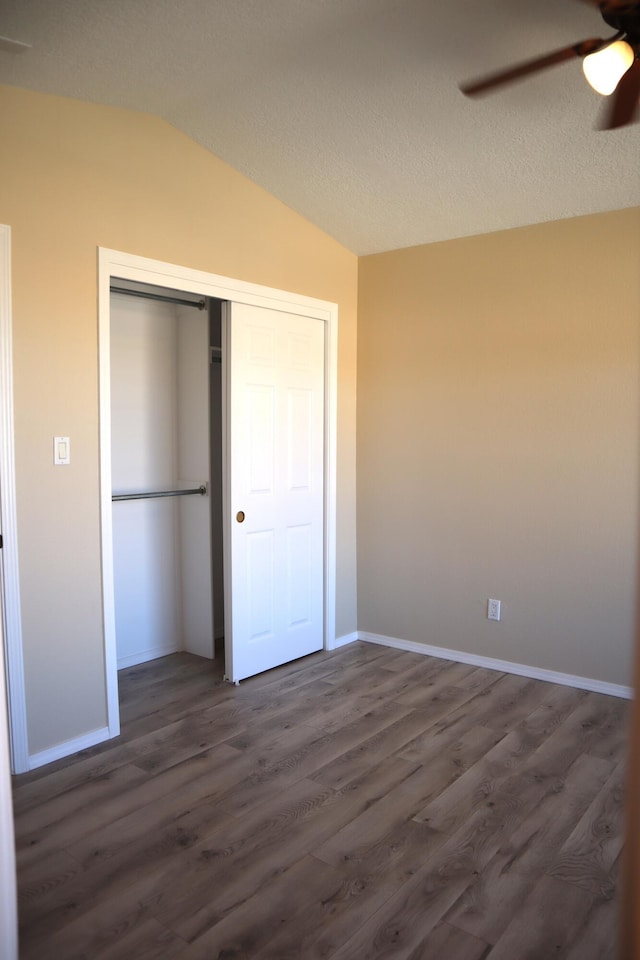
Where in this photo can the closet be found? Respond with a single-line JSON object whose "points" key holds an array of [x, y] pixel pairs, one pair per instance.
{"points": [[165, 386], [165, 351]]}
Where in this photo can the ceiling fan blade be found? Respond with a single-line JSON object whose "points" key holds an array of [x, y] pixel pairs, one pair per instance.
{"points": [[13, 46], [485, 84], [624, 105], [610, 5]]}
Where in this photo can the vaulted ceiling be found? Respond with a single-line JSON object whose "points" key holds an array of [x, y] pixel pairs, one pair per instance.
{"points": [[349, 110]]}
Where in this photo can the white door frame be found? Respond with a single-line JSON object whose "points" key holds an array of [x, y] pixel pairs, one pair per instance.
{"points": [[111, 264], [10, 578], [8, 893]]}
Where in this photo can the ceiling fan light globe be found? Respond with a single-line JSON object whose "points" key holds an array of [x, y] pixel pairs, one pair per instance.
{"points": [[605, 68]]}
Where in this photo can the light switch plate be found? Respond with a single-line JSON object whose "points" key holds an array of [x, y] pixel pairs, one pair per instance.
{"points": [[61, 451]]}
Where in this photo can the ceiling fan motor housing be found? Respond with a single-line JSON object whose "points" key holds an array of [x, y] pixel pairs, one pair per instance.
{"points": [[624, 18]]}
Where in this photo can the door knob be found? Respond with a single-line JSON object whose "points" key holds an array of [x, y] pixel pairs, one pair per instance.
{"points": [[240, 516]]}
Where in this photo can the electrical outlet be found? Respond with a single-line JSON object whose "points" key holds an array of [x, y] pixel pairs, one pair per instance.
{"points": [[493, 610]]}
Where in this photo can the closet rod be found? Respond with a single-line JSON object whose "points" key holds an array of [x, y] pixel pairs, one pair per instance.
{"points": [[200, 304], [160, 493]]}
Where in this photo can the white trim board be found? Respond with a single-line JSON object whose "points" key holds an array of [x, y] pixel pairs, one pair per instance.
{"points": [[68, 747], [8, 896], [504, 666], [345, 639], [144, 656], [10, 599], [113, 263]]}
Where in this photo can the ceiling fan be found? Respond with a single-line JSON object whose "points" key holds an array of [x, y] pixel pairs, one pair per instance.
{"points": [[612, 66]]}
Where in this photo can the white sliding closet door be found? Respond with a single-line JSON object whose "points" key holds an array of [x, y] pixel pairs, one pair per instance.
{"points": [[275, 488]]}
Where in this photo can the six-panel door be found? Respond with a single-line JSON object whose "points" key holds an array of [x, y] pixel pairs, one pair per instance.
{"points": [[276, 496]]}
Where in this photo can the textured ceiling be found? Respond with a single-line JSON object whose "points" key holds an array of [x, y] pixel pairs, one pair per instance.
{"points": [[348, 110]]}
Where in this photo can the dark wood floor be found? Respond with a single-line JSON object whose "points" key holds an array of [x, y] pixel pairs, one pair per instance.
{"points": [[356, 805]]}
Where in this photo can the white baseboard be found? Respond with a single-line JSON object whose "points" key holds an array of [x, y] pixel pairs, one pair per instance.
{"points": [[344, 640], [69, 747], [145, 655], [504, 666]]}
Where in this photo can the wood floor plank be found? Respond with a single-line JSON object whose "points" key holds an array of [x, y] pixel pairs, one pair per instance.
{"points": [[444, 736], [323, 748], [470, 792], [364, 803], [587, 729], [489, 903], [58, 808], [93, 823], [173, 667], [448, 942], [547, 757], [610, 733], [318, 666], [143, 848], [478, 678], [418, 724], [403, 922], [400, 660], [241, 714], [159, 810], [276, 758], [363, 653], [598, 938], [148, 941], [179, 741], [551, 922], [49, 827], [161, 696], [377, 782], [253, 851], [588, 855], [487, 690], [45, 877], [351, 763], [356, 838], [416, 682], [250, 928], [460, 716], [558, 704], [109, 925], [445, 674], [58, 778], [365, 886], [338, 710], [507, 701]]}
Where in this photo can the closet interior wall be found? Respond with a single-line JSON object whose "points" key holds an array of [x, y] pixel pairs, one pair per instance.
{"points": [[160, 439]]}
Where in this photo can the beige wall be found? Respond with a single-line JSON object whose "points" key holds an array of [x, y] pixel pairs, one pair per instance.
{"points": [[74, 177], [497, 403], [498, 426]]}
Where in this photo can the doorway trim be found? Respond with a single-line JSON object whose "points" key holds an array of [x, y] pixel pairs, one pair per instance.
{"points": [[114, 263], [10, 575]]}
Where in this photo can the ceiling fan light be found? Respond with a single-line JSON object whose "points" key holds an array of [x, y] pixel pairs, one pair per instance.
{"points": [[605, 68]]}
